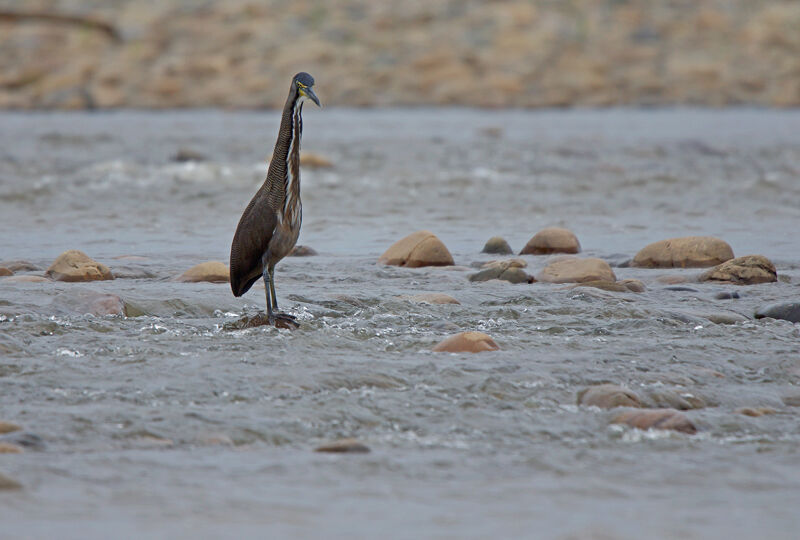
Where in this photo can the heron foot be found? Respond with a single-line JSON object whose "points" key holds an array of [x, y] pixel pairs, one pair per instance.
{"points": [[284, 320]]}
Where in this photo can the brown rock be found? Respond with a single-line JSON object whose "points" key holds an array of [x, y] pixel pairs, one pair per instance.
{"points": [[8, 483], [633, 285], [314, 161], [613, 286], [608, 396], [19, 266], [755, 411], [656, 419], [5, 271], [670, 399], [213, 271], [8, 427], [431, 298], [302, 251], [507, 270], [421, 248], [497, 245], [74, 265], [26, 278], [344, 446], [552, 240], [10, 448], [685, 252], [747, 270], [467, 342], [575, 270]]}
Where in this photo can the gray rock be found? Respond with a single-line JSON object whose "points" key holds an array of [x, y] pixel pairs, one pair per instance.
{"points": [[497, 245], [788, 311]]}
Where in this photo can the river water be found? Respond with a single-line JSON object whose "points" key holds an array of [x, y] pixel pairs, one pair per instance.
{"points": [[167, 424]]}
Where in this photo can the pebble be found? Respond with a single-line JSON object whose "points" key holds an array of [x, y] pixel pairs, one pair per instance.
{"points": [[552, 240], [421, 248], [472, 342], [747, 270], [576, 270], [344, 446], [788, 311], [497, 245], [688, 251], [212, 271], [656, 419], [608, 396], [74, 265]]}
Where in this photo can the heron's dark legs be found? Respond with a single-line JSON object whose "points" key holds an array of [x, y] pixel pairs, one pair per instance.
{"points": [[267, 287], [275, 319], [272, 287]]}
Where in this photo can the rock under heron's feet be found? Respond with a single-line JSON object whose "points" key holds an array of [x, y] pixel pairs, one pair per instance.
{"points": [[284, 320], [280, 320]]}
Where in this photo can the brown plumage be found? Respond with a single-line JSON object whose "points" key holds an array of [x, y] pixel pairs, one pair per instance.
{"points": [[270, 225]]}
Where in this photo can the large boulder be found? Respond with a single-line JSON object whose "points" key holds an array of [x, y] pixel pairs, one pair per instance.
{"points": [[608, 396], [685, 252], [575, 270], [552, 240], [472, 342], [747, 270], [74, 265], [213, 271], [421, 248], [497, 245], [656, 419]]}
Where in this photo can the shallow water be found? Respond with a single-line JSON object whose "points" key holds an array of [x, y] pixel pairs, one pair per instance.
{"points": [[165, 424]]}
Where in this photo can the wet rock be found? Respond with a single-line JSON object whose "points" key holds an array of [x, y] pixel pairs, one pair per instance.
{"points": [[255, 321], [627, 285], [85, 302], [666, 398], [755, 411], [431, 298], [724, 317], [302, 251], [791, 400], [552, 240], [656, 419], [132, 272], [26, 278], [633, 285], [24, 439], [314, 161], [8, 483], [575, 270], [74, 265], [497, 245], [344, 446], [19, 266], [726, 295], [608, 396], [421, 248], [472, 342], [685, 252], [788, 311], [747, 270], [5, 271], [212, 271], [508, 270], [8, 427], [681, 289], [10, 448], [187, 154]]}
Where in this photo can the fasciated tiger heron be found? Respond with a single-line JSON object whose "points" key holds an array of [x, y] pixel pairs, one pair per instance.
{"points": [[270, 225]]}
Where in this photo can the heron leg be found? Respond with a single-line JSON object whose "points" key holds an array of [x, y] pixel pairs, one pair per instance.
{"points": [[267, 287], [290, 319]]}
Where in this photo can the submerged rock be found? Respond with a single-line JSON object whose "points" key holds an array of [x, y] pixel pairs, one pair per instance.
{"points": [[74, 265], [255, 321], [755, 411], [552, 240], [509, 270], [314, 161], [10, 448], [788, 311], [684, 252], [19, 266], [666, 398], [26, 278], [344, 446], [472, 342], [608, 396], [83, 302], [431, 298], [747, 270], [626, 285], [302, 251], [213, 271], [497, 245], [575, 270], [8, 483], [656, 419], [421, 248], [187, 154]]}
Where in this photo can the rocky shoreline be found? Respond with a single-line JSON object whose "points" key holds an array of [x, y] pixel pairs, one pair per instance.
{"points": [[239, 54]]}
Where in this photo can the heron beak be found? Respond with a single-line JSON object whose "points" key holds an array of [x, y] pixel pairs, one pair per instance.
{"points": [[311, 95]]}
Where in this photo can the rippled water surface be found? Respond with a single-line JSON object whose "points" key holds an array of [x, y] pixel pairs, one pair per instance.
{"points": [[167, 424]]}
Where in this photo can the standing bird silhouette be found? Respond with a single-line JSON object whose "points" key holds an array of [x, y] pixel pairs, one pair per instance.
{"points": [[270, 225]]}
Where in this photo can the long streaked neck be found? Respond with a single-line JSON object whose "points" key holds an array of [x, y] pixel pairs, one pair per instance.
{"points": [[283, 178]]}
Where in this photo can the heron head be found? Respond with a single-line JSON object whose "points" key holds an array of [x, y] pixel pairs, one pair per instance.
{"points": [[305, 87]]}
